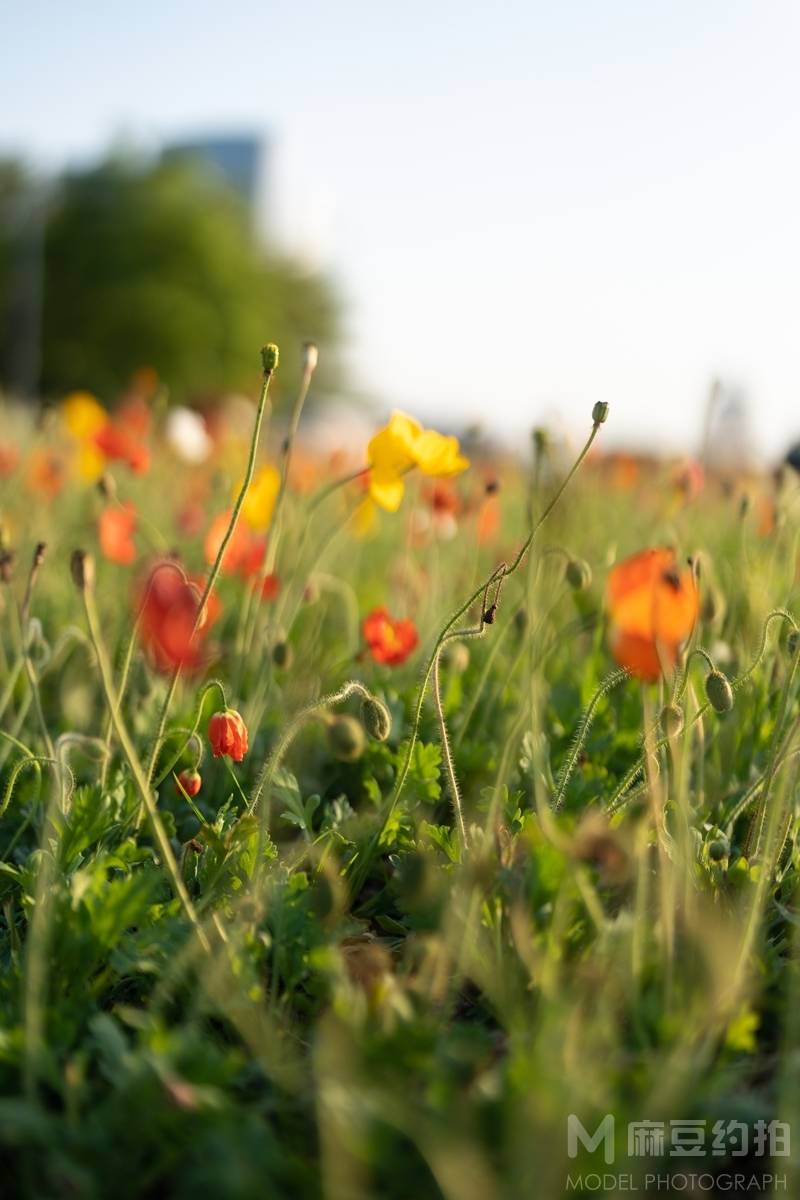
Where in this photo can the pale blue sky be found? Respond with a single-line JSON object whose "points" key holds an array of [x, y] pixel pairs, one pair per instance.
{"points": [[531, 205]]}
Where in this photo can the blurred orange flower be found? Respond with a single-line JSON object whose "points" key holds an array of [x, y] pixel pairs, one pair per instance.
{"points": [[115, 529], [169, 603], [244, 553], [388, 639], [653, 608], [46, 473]]}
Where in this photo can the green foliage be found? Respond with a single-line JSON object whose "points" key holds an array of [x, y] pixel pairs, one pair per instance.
{"points": [[158, 266]]}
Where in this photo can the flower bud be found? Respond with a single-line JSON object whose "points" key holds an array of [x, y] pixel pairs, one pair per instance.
{"points": [[107, 487], [81, 565], [600, 412], [310, 357], [346, 738], [578, 574], [190, 781], [7, 559], [269, 358], [38, 555], [719, 691], [718, 849], [282, 655], [376, 718], [671, 720]]}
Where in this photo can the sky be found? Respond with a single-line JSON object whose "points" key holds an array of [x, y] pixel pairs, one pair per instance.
{"points": [[528, 206]]}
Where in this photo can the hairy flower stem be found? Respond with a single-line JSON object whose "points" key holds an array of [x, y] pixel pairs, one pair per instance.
{"points": [[309, 712], [455, 795], [619, 797], [496, 577], [755, 837], [123, 684], [275, 527], [214, 572], [137, 771], [581, 733]]}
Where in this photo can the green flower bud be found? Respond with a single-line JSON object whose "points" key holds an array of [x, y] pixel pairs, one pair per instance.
{"points": [[81, 565], [671, 720], [578, 574], [600, 412], [282, 655], [270, 356], [346, 738], [377, 721], [718, 849], [719, 691]]}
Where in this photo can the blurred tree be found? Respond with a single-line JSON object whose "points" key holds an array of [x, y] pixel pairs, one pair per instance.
{"points": [[158, 266]]}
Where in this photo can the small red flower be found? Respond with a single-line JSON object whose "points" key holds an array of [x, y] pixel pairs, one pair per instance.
{"points": [[117, 442], [191, 782], [389, 641], [227, 734], [169, 604], [115, 529]]}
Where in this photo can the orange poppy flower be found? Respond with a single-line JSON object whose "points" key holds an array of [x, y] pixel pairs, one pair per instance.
{"points": [[653, 607], [389, 640], [115, 529]]}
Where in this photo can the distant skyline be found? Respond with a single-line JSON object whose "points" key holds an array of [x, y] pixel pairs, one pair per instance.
{"points": [[528, 207]]}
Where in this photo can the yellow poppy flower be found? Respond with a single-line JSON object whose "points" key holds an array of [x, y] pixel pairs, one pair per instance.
{"points": [[259, 502], [436, 454], [404, 444], [83, 415], [91, 462]]}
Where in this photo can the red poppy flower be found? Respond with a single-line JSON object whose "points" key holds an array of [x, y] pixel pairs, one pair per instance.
{"points": [[653, 607], [227, 734], [389, 640], [190, 781], [115, 441], [115, 529], [169, 604]]}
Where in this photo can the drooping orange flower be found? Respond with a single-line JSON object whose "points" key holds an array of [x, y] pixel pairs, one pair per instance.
{"points": [[653, 606], [115, 529], [169, 603], [227, 734], [389, 640]]}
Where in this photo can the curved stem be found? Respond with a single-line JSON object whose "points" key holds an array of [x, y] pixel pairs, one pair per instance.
{"points": [[214, 572]]}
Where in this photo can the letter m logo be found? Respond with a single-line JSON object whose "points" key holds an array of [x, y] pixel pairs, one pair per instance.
{"points": [[604, 1133]]}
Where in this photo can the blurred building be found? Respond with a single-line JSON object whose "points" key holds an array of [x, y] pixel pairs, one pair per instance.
{"points": [[241, 160]]}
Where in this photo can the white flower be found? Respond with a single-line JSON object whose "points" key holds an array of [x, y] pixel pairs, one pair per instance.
{"points": [[187, 435]]}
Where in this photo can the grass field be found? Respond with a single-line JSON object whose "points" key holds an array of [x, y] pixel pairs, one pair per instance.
{"points": [[359, 827]]}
